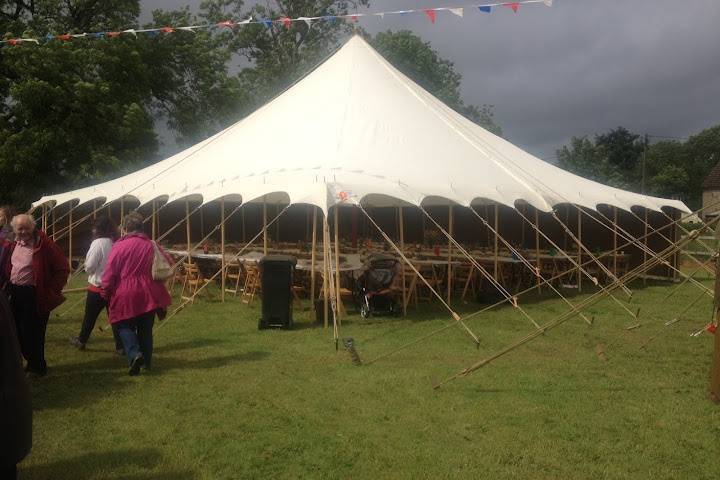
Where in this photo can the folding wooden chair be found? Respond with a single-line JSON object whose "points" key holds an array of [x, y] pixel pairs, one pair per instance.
{"points": [[465, 278], [194, 280], [252, 283], [411, 290], [233, 274]]}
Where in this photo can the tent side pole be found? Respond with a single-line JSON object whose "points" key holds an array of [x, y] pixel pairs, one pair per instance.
{"points": [[44, 218], [537, 250], [222, 247], [70, 237], [579, 248], [645, 244], [338, 301], [265, 235], [449, 266], [187, 229], [122, 209], [495, 251], [715, 372], [52, 215], [676, 256], [326, 270], [615, 239], [312, 256], [402, 247]]}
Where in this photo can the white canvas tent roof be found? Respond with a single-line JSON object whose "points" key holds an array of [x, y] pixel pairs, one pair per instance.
{"points": [[357, 125]]}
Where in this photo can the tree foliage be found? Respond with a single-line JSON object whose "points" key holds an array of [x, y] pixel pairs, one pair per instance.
{"points": [[672, 168], [81, 111]]}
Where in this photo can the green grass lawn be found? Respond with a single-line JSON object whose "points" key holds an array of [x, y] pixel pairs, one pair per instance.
{"points": [[226, 401]]}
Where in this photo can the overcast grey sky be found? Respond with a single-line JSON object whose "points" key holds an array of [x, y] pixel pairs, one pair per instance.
{"points": [[580, 67]]}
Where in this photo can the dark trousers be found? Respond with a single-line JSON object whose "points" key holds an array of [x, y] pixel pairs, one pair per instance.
{"points": [[8, 473], [94, 304], [30, 325], [137, 337]]}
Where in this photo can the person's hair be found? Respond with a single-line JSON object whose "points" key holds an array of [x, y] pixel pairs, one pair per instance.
{"points": [[133, 222], [23, 216], [105, 228], [9, 211]]}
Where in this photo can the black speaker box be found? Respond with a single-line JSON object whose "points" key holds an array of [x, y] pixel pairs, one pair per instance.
{"points": [[276, 279]]}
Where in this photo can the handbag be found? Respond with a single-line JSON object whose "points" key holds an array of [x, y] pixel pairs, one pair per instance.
{"points": [[161, 268]]}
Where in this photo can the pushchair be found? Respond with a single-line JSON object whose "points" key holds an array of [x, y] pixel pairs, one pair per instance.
{"points": [[374, 293]]}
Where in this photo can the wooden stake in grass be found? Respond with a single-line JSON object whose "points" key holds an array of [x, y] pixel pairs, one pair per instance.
{"points": [[715, 373]]}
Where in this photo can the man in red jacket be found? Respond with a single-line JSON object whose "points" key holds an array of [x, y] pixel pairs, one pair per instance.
{"points": [[35, 272]]}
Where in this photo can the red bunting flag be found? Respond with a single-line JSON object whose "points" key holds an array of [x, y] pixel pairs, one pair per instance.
{"points": [[167, 30], [13, 41], [64, 37], [113, 34], [514, 5], [430, 14], [226, 24], [286, 21], [354, 18]]}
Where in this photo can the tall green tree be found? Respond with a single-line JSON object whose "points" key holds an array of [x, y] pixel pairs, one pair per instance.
{"points": [[275, 56], [81, 111], [672, 168], [419, 61]]}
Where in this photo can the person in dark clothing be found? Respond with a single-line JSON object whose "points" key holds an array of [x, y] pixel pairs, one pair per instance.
{"points": [[15, 407], [34, 274]]}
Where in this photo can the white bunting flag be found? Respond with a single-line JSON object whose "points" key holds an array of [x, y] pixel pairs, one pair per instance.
{"points": [[457, 11]]}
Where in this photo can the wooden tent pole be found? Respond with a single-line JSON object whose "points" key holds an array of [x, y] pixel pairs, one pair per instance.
{"points": [[615, 238], [222, 247], [402, 247], [44, 218], [70, 237], [265, 235], [579, 250], [312, 256], [715, 372], [676, 257], [645, 245], [187, 229], [94, 214], [495, 251], [537, 249], [122, 209], [338, 301], [449, 265], [52, 214], [202, 223], [326, 270]]}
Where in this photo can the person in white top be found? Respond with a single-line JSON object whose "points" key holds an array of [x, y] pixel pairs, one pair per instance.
{"points": [[104, 233]]}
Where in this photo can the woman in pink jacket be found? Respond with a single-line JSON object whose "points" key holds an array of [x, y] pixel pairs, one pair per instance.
{"points": [[134, 297]]}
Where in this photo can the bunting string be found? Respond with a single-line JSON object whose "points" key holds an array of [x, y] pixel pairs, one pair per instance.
{"points": [[430, 13]]}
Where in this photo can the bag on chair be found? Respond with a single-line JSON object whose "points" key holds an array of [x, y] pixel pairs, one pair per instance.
{"points": [[161, 268]]}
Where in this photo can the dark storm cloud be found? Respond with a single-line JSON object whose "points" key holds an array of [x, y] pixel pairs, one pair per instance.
{"points": [[581, 67]]}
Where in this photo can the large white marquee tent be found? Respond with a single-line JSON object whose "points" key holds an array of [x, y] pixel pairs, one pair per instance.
{"points": [[357, 125]]}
